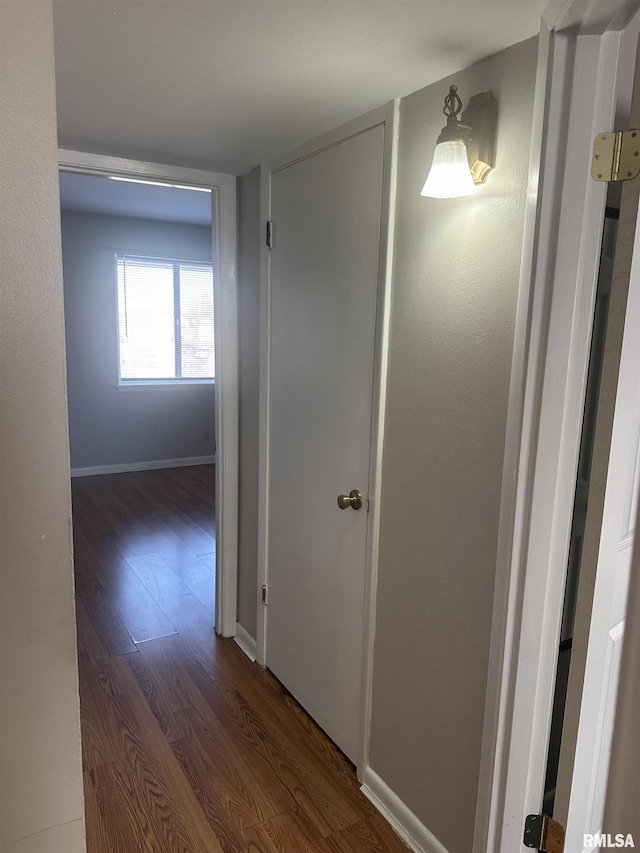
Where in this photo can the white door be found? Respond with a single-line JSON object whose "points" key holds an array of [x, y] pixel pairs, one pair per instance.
{"points": [[324, 264], [604, 576]]}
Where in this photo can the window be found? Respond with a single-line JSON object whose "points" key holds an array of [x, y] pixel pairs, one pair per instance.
{"points": [[165, 320]]}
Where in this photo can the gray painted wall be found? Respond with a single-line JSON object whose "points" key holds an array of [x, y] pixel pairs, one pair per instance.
{"points": [[41, 808], [455, 289], [107, 425], [249, 374]]}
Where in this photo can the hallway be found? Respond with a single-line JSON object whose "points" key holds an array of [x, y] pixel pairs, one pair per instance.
{"points": [[187, 745]]}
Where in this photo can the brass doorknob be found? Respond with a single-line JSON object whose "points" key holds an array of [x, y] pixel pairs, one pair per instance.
{"points": [[353, 499]]}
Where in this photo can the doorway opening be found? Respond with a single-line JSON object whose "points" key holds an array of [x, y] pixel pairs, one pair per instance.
{"points": [[139, 316], [199, 198]]}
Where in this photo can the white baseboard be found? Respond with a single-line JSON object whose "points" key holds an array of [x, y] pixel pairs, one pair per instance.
{"points": [[245, 641], [121, 467], [402, 819]]}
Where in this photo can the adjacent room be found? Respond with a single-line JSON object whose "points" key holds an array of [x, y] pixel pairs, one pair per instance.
{"points": [[139, 320]]}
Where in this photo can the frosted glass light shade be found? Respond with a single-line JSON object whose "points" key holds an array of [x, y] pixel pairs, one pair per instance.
{"points": [[450, 176]]}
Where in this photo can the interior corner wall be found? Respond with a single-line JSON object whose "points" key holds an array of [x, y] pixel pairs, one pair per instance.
{"points": [[108, 425], [41, 804], [249, 380], [454, 296]]}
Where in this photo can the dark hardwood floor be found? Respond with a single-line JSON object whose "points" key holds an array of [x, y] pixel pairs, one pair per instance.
{"points": [[188, 747]]}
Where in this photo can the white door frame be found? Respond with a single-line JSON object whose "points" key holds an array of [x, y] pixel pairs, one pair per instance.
{"points": [[389, 117], [575, 99], [621, 808], [223, 209]]}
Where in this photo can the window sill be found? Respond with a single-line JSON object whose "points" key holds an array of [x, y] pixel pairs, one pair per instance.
{"points": [[136, 384]]}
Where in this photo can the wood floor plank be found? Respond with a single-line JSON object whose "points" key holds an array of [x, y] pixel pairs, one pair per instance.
{"points": [[173, 549], [163, 658], [193, 535], [136, 533], [162, 703], [100, 730], [329, 800], [147, 791], [191, 569], [216, 789], [373, 834], [194, 500], [291, 832], [96, 831], [185, 500], [199, 482], [142, 616], [187, 745], [226, 665], [144, 751], [122, 825], [143, 524], [157, 576], [89, 520], [247, 782], [105, 620], [205, 592], [209, 560], [192, 619], [181, 524], [107, 575], [88, 638], [258, 791], [183, 609]]}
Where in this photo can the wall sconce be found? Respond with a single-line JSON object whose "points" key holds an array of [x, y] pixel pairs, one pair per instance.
{"points": [[465, 149]]}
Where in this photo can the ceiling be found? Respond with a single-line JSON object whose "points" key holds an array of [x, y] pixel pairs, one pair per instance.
{"points": [[95, 194], [225, 84]]}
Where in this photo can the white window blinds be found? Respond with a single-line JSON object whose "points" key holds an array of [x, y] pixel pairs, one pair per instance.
{"points": [[165, 319]]}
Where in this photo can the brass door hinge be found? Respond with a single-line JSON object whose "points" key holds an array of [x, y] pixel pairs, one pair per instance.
{"points": [[616, 156], [544, 834]]}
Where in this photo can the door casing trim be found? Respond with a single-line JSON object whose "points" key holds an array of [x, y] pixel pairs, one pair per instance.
{"points": [[388, 116], [579, 46], [224, 233]]}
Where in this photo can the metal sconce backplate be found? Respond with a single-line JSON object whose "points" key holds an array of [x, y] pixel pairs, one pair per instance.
{"points": [[482, 115]]}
